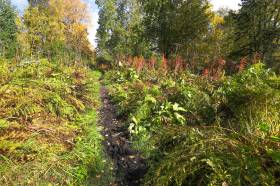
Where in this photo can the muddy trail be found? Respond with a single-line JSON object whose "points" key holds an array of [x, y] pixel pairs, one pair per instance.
{"points": [[130, 167]]}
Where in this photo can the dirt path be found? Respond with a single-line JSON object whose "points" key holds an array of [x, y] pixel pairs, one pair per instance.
{"points": [[130, 168]]}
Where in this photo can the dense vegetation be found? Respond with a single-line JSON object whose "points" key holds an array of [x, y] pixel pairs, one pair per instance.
{"points": [[49, 97], [48, 123], [189, 29], [196, 92], [195, 131], [197, 89]]}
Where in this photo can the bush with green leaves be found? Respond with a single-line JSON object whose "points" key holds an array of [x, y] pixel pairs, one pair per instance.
{"points": [[196, 131], [196, 99], [251, 100]]}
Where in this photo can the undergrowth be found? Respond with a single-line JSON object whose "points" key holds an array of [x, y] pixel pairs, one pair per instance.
{"points": [[48, 124], [198, 131]]}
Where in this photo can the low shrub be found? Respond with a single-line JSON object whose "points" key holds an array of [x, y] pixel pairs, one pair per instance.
{"points": [[48, 124], [250, 100], [196, 131], [212, 156]]}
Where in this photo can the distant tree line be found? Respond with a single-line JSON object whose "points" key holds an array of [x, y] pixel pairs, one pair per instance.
{"points": [[48, 28], [189, 28]]}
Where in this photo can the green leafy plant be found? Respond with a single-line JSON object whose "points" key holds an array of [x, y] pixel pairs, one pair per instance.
{"points": [[197, 132]]}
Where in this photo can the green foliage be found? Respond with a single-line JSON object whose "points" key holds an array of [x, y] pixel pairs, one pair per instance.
{"points": [[45, 32], [56, 30], [48, 125], [194, 94], [211, 156], [198, 132], [169, 23], [256, 28], [120, 30], [8, 29], [243, 94], [193, 130]]}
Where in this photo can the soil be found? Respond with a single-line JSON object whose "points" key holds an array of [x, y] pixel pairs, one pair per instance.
{"points": [[130, 167]]}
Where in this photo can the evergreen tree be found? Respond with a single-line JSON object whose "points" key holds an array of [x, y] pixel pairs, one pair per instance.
{"points": [[8, 29]]}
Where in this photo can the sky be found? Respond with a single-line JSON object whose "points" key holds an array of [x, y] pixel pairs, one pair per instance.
{"points": [[232, 4], [22, 4]]}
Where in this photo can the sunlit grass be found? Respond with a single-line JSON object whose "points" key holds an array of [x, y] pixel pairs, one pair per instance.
{"points": [[48, 125]]}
